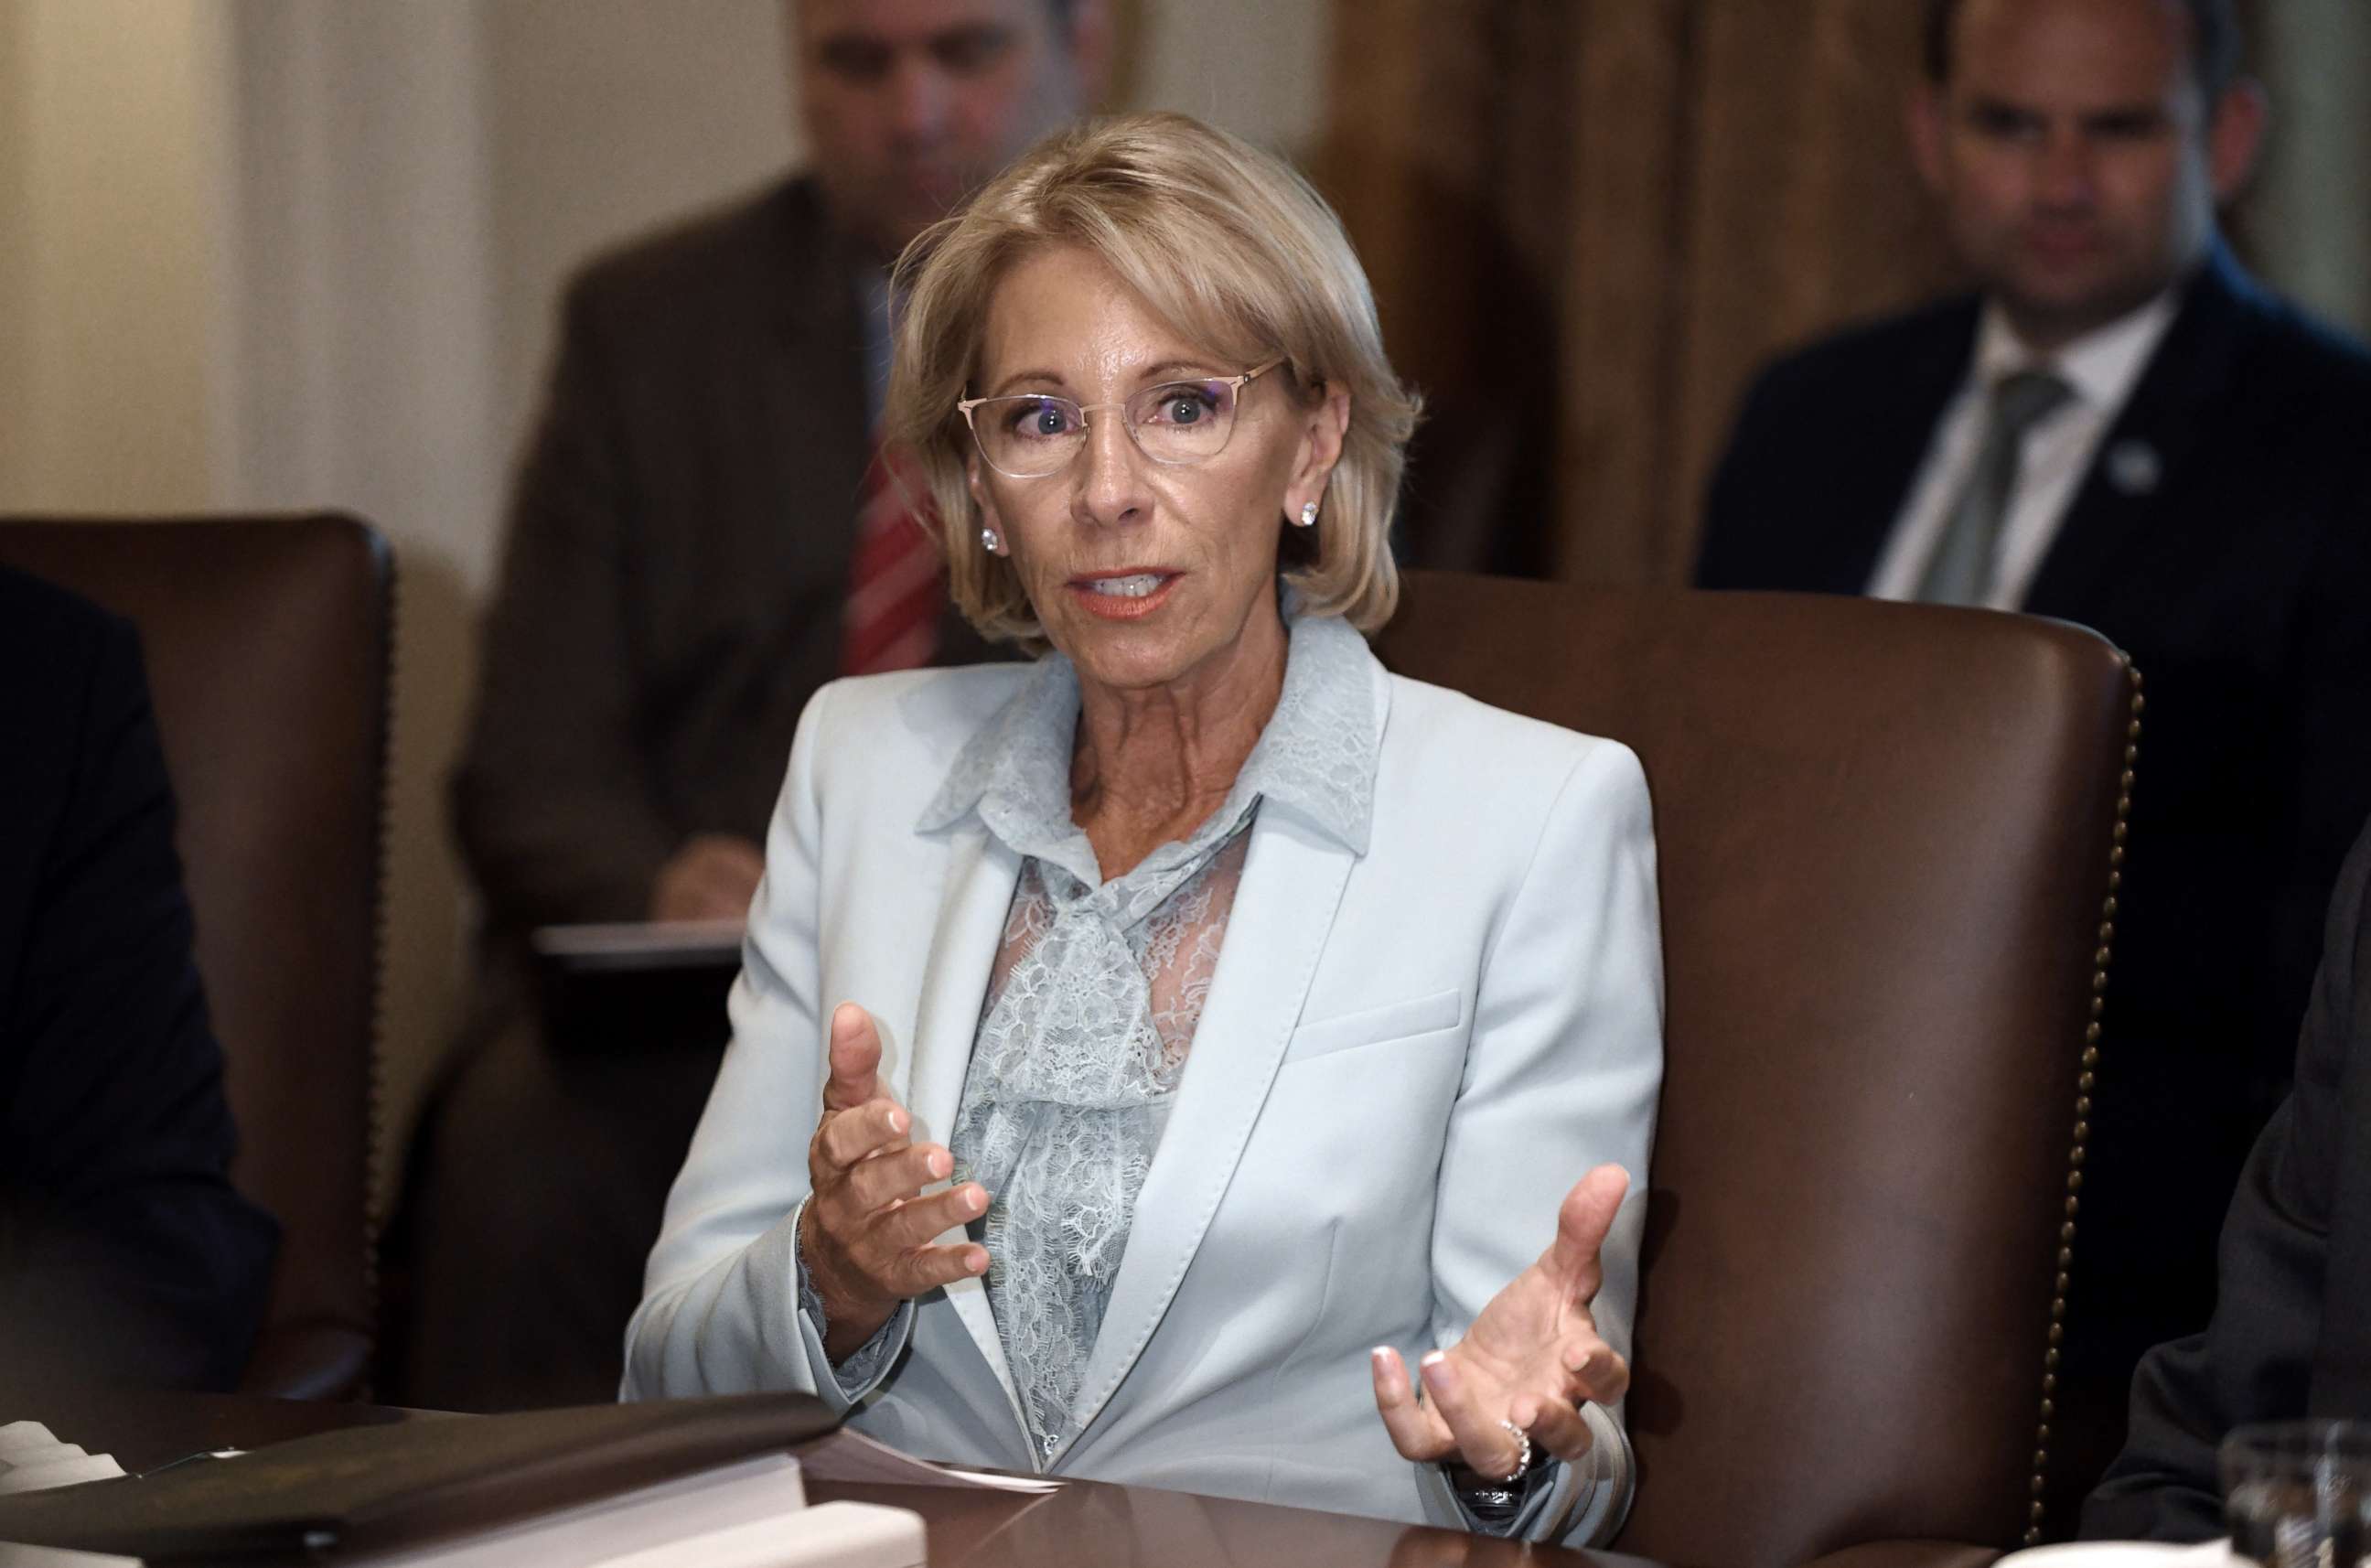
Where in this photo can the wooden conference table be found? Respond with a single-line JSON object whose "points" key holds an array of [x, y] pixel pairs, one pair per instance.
{"points": [[1084, 1523]]}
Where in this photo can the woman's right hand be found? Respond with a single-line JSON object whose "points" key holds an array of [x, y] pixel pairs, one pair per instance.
{"points": [[866, 1235]]}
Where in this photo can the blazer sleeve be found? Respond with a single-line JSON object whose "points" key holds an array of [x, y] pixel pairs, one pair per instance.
{"points": [[1563, 1075], [124, 1250], [2255, 1360], [553, 800], [720, 1307]]}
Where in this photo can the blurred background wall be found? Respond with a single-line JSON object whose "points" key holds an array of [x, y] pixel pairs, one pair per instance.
{"points": [[300, 253]]}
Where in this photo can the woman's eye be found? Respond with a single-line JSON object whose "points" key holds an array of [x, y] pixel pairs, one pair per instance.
{"points": [[1184, 405], [1039, 420]]}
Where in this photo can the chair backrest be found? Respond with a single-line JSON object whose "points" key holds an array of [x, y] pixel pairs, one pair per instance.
{"points": [[267, 647], [1885, 836]]}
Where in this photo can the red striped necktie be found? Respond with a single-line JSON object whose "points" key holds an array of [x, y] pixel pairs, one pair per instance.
{"points": [[895, 590]]}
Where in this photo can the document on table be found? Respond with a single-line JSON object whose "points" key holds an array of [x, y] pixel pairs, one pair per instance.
{"points": [[746, 1512]]}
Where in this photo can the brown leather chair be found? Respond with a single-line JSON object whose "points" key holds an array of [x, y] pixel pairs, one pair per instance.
{"points": [[1884, 836], [267, 645]]}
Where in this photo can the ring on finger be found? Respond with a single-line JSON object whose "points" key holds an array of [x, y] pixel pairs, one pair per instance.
{"points": [[1522, 1453]]}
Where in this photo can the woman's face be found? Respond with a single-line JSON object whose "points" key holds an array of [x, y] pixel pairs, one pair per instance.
{"points": [[1144, 574]]}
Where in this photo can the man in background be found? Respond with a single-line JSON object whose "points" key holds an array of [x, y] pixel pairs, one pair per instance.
{"points": [[2120, 428], [700, 537]]}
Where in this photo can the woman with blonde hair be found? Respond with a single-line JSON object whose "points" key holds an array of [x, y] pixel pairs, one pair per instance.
{"points": [[1221, 1021]]}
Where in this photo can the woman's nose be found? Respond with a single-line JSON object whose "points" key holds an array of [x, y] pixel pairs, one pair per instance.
{"points": [[1109, 474]]}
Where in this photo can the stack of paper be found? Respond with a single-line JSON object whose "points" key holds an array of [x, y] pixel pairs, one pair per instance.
{"points": [[32, 1458]]}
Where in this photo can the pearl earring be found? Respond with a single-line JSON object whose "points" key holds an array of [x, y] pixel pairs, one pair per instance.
{"points": [[988, 540], [1309, 514]]}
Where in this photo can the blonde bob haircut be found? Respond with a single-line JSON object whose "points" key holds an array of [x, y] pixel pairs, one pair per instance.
{"points": [[1235, 251]]}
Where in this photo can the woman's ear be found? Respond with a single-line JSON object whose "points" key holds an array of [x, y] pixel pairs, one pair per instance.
{"points": [[992, 524], [1328, 424]]}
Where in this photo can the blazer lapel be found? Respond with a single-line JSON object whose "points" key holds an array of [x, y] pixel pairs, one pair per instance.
{"points": [[1283, 911], [981, 875], [2142, 458]]}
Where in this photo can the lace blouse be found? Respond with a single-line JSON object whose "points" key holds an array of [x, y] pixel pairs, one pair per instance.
{"points": [[1088, 1019]]}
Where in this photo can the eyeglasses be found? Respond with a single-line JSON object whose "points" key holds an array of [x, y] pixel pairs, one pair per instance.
{"points": [[1035, 433]]}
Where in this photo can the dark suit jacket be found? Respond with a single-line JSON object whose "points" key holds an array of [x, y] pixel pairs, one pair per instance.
{"points": [[2240, 583], [124, 1250], [2290, 1336], [677, 558]]}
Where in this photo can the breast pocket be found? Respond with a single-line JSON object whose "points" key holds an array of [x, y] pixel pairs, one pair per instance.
{"points": [[1385, 1025]]}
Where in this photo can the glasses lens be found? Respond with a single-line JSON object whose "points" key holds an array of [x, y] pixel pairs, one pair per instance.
{"points": [[1183, 422], [1026, 436]]}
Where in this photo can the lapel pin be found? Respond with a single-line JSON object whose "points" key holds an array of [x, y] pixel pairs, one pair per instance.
{"points": [[2134, 468]]}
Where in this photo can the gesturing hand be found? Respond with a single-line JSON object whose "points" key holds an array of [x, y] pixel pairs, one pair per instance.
{"points": [[866, 1233], [1530, 1357]]}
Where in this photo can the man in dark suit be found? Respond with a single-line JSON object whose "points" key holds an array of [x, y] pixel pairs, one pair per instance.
{"points": [[700, 537], [124, 1252], [2119, 428], [2290, 1337]]}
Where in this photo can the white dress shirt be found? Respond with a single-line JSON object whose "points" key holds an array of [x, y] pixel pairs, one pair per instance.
{"points": [[2101, 368]]}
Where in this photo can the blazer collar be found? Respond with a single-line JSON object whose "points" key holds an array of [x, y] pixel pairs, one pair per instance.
{"points": [[1284, 909], [2158, 436]]}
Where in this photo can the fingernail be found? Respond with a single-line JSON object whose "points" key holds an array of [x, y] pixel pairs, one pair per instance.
{"points": [[941, 1165], [896, 1121], [976, 1262], [1433, 1358]]}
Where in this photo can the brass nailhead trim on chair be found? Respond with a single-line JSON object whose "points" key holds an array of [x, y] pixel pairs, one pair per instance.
{"points": [[2083, 1086], [375, 1203]]}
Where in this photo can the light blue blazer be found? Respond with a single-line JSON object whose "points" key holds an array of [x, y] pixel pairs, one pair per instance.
{"points": [[1410, 1053]]}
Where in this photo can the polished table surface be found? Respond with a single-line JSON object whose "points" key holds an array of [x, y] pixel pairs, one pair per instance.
{"points": [[1083, 1523]]}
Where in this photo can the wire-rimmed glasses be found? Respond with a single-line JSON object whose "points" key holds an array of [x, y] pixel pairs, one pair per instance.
{"points": [[1032, 435]]}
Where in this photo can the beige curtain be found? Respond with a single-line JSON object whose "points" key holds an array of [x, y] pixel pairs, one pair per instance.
{"points": [[1617, 208]]}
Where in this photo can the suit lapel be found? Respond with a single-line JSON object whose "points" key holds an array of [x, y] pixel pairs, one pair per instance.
{"points": [[1283, 913], [981, 874], [2144, 454], [1872, 484]]}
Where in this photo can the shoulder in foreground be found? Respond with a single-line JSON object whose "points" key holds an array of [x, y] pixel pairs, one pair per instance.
{"points": [[1489, 752], [747, 232], [40, 622]]}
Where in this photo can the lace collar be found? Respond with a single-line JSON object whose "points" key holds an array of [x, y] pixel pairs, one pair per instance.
{"points": [[1316, 757]]}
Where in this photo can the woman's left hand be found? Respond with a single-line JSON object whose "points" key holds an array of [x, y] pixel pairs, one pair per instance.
{"points": [[1530, 1358]]}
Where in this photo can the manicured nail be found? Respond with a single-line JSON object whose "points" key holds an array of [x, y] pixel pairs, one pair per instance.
{"points": [[895, 1119], [940, 1165], [1433, 1358]]}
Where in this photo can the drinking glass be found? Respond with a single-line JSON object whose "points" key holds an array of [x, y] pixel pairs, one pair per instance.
{"points": [[2298, 1493]]}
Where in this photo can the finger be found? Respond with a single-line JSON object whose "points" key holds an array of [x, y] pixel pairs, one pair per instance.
{"points": [[1487, 1448], [881, 1180], [851, 1134], [1582, 1221], [1597, 1370], [1417, 1433], [924, 1269], [855, 1059], [909, 1225], [1556, 1425]]}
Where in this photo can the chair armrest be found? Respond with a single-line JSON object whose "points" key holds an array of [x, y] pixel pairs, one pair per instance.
{"points": [[1908, 1554]]}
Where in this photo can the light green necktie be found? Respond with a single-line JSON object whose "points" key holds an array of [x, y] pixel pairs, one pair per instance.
{"points": [[1960, 570]]}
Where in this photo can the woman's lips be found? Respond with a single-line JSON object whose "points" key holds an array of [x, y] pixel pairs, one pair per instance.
{"points": [[1123, 595]]}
